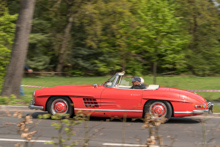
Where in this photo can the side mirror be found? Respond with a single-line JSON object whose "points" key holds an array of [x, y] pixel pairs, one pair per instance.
{"points": [[95, 85]]}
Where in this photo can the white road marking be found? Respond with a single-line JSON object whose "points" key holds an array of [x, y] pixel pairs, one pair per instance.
{"points": [[119, 144], [22, 140]]}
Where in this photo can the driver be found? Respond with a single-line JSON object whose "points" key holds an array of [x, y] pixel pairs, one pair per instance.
{"points": [[136, 81]]}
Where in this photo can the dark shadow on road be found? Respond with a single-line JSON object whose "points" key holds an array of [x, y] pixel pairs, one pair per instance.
{"points": [[36, 114], [171, 121], [184, 120]]}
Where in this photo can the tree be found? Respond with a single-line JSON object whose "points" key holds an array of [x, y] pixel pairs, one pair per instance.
{"points": [[60, 16], [124, 33], [202, 21], [73, 7], [108, 25], [19, 51], [99, 37], [159, 37]]}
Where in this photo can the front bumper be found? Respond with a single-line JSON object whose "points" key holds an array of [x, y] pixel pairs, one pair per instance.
{"points": [[32, 106], [209, 109], [35, 107]]}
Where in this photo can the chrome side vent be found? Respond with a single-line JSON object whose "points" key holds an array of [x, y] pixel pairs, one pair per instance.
{"points": [[90, 102]]}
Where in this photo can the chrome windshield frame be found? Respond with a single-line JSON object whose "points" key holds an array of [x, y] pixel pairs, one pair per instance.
{"points": [[115, 77]]}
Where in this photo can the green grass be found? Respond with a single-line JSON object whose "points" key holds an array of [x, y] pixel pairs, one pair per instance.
{"points": [[182, 82], [56, 81], [194, 83], [216, 108]]}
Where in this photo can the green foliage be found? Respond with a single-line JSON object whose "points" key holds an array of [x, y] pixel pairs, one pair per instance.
{"points": [[201, 19], [159, 36], [7, 29], [39, 62], [3, 100], [7, 100], [131, 35], [216, 109], [109, 36]]}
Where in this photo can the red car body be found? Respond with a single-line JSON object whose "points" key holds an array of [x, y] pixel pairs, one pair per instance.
{"points": [[111, 100]]}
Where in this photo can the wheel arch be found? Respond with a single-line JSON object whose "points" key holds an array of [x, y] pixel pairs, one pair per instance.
{"points": [[57, 96], [157, 100]]}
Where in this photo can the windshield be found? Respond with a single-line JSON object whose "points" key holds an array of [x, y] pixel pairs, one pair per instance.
{"points": [[118, 81], [110, 82], [126, 81]]}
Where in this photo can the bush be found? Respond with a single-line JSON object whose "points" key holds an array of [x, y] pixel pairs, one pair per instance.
{"points": [[6, 100], [3, 100]]}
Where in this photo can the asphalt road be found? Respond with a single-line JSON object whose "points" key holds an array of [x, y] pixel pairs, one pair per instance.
{"points": [[178, 132]]}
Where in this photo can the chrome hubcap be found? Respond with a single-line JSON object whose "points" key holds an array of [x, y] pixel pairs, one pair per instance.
{"points": [[59, 106], [158, 109]]}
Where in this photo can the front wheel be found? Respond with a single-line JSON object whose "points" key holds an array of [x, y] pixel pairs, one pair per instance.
{"points": [[158, 109], [60, 105]]}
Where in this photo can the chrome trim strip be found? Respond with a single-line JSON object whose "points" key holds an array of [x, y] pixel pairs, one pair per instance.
{"points": [[99, 101], [35, 107], [101, 105], [116, 79], [193, 112], [32, 101], [182, 112], [33, 98], [109, 110], [198, 111]]}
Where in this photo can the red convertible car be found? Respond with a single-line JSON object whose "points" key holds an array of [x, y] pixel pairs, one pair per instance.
{"points": [[114, 98]]}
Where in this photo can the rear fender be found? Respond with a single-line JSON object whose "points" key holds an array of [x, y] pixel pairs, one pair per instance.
{"points": [[146, 101]]}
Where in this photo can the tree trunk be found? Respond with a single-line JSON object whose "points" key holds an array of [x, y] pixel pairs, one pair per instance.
{"points": [[123, 64], [155, 72], [19, 51], [194, 31], [62, 53]]}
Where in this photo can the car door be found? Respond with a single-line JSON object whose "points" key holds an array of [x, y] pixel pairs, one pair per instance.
{"points": [[121, 100]]}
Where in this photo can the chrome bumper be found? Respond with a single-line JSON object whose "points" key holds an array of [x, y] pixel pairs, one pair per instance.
{"points": [[209, 109], [32, 106], [36, 107]]}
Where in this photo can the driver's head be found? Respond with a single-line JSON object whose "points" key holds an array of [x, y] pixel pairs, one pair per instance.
{"points": [[136, 80]]}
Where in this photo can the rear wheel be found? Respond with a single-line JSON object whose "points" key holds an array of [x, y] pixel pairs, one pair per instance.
{"points": [[61, 105], [158, 109]]}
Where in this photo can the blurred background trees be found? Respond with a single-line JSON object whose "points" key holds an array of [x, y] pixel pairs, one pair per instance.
{"points": [[7, 30], [99, 37], [201, 20]]}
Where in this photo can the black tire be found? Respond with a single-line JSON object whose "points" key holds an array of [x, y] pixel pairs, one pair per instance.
{"points": [[60, 105], [160, 108]]}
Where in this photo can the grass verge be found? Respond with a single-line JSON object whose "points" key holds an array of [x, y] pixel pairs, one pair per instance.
{"points": [[182, 82]]}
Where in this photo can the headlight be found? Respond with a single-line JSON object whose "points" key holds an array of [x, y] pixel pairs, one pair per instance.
{"points": [[200, 106]]}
